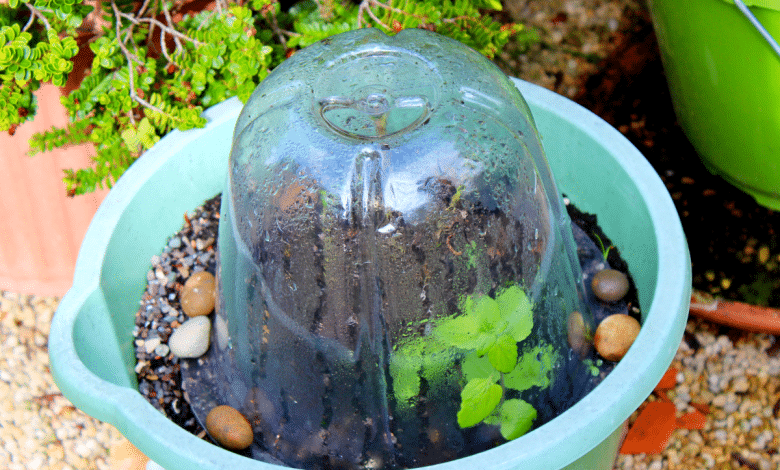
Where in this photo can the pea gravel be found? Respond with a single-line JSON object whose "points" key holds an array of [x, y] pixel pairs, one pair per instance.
{"points": [[737, 375], [39, 428]]}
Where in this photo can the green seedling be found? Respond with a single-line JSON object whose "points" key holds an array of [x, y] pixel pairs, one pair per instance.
{"points": [[487, 335], [604, 251]]}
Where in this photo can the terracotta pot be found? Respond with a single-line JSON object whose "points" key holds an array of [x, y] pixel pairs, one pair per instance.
{"points": [[41, 228], [736, 314]]}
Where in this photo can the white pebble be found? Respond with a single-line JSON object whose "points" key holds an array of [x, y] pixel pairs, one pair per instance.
{"points": [[389, 228], [175, 243], [191, 339], [151, 344], [223, 334], [731, 406], [162, 350], [762, 440], [720, 401], [740, 385], [713, 381]]}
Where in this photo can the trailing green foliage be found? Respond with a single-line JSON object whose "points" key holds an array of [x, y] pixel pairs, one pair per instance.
{"points": [[157, 65], [30, 56], [486, 337]]}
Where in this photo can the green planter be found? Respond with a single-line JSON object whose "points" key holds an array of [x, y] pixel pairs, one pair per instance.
{"points": [[91, 344], [724, 78]]}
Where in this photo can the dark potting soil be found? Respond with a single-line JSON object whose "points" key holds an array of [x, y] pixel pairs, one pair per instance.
{"points": [[194, 248]]}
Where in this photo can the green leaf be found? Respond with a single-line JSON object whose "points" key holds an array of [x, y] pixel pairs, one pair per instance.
{"points": [[477, 400], [533, 369], [517, 310], [130, 136], [503, 354], [461, 331], [488, 311], [405, 370], [147, 134], [493, 4], [475, 366], [516, 418]]}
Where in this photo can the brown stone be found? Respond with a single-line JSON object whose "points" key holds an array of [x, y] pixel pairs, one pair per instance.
{"points": [[614, 335], [229, 428], [125, 456], [610, 285], [578, 334], [199, 294]]}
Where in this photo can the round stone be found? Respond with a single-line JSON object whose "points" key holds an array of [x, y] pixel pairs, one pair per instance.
{"points": [[162, 350], [199, 294], [614, 335], [191, 339], [229, 428], [578, 334], [610, 285]]}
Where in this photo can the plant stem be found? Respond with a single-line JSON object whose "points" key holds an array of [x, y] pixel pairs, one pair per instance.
{"points": [[34, 12], [131, 71]]}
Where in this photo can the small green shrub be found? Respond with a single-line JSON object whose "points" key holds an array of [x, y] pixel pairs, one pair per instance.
{"points": [[156, 67]]}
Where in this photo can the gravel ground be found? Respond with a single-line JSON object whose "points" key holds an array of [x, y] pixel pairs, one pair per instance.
{"points": [[39, 428], [736, 373]]}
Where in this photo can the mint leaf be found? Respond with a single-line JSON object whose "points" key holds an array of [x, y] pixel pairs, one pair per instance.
{"points": [[516, 418], [517, 310], [477, 400], [461, 331], [488, 312], [533, 369], [503, 354], [475, 366]]}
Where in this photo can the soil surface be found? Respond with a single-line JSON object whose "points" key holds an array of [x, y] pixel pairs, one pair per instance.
{"points": [[163, 377]]}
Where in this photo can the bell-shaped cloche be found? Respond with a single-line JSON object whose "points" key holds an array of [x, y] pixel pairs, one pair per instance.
{"points": [[397, 276]]}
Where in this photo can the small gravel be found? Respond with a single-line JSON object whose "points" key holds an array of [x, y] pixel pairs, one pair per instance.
{"points": [[39, 428], [736, 374], [190, 251], [575, 35]]}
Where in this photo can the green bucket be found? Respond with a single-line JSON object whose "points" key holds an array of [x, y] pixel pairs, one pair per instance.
{"points": [[722, 64], [91, 343]]}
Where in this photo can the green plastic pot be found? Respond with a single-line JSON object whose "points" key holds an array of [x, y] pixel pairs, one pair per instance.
{"points": [[91, 343], [724, 78]]}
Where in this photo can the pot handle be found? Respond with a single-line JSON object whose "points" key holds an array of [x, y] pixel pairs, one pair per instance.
{"points": [[759, 27]]}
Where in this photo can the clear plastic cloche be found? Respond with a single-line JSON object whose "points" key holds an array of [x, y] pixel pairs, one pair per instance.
{"points": [[398, 284]]}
